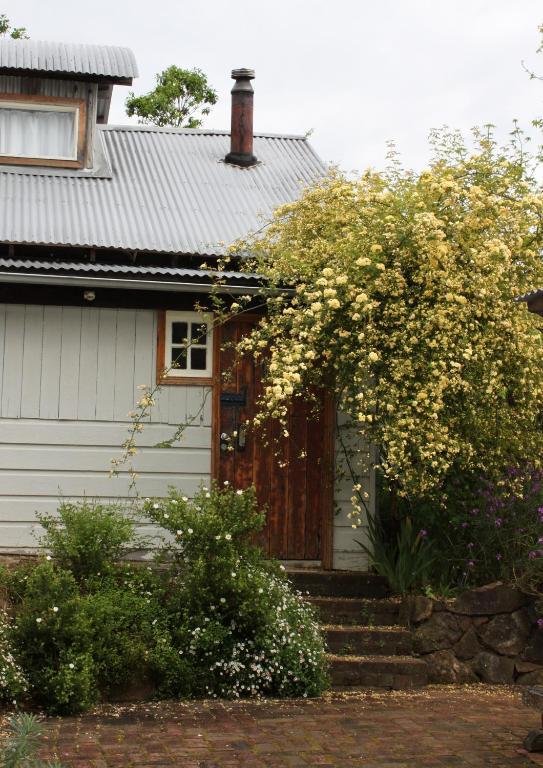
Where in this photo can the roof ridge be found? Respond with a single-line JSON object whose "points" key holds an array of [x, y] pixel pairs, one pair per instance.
{"points": [[196, 131]]}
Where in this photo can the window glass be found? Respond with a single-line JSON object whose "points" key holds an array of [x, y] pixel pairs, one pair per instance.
{"points": [[179, 332], [38, 132], [179, 357], [198, 359]]}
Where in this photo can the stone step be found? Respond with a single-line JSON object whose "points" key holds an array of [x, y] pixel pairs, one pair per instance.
{"points": [[367, 641], [358, 611], [390, 672], [321, 583]]}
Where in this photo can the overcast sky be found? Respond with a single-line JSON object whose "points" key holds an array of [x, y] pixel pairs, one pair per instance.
{"points": [[354, 72]]}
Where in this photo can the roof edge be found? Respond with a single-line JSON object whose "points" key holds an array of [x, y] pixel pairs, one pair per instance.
{"points": [[197, 131]]}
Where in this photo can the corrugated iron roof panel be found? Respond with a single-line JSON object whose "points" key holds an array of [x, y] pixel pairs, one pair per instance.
{"points": [[70, 58], [32, 265], [170, 192]]}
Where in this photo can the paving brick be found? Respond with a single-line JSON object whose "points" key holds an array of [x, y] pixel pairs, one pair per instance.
{"points": [[437, 727]]}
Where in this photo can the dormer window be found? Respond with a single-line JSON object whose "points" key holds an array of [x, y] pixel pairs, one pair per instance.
{"points": [[41, 130]]}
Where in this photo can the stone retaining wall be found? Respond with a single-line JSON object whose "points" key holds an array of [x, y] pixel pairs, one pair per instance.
{"points": [[489, 634]]}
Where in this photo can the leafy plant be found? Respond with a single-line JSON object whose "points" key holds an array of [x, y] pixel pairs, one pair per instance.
{"points": [[232, 616], [13, 683], [17, 33], [406, 561], [24, 732], [179, 95], [88, 538]]}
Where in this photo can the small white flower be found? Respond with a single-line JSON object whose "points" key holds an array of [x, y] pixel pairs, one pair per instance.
{"points": [[218, 538], [155, 506], [38, 620], [184, 498], [55, 609], [228, 536], [226, 482], [48, 557], [223, 600], [260, 591], [233, 574], [189, 530], [72, 666], [208, 495], [166, 515], [179, 533], [239, 492]]}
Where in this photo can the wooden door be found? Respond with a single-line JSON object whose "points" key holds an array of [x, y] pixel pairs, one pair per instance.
{"points": [[292, 476]]}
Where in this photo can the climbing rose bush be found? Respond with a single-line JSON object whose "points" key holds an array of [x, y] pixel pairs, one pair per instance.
{"points": [[404, 305]]}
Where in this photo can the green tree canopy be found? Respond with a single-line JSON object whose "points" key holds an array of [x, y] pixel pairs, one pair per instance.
{"points": [[6, 28], [180, 99], [405, 307]]}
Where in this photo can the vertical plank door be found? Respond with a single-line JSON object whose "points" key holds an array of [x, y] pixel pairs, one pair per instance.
{"points": [[292, 475]]}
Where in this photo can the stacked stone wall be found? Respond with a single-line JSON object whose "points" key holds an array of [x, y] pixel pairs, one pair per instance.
{"points": [[489, 634]]}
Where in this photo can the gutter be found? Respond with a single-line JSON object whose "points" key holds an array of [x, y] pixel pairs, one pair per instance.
{"points": [[128, 283]]}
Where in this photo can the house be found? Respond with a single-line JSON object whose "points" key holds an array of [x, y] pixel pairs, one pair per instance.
{"points": [[103, 231]]}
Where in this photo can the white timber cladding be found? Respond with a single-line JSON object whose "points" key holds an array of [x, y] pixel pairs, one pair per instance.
{"points": [[68, 378]]}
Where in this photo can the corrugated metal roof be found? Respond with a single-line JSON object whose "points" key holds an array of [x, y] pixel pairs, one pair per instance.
{"points": [[70, 58], [32, 265], [170, 192]]}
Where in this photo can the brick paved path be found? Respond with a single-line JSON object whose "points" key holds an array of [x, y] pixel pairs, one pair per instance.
{"points": [[442, 726]]}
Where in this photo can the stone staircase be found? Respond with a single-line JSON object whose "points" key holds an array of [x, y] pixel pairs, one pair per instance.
{"points": [[367, 645]]}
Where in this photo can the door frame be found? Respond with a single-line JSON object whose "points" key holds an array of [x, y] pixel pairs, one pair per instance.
{"points": [[329, 425]]}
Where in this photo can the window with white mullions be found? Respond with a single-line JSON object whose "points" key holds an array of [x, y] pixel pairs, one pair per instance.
{"points": [[188, 344]]}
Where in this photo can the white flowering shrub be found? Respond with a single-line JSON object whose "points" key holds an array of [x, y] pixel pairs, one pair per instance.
{"points": [[235, 626], [13, 684]]}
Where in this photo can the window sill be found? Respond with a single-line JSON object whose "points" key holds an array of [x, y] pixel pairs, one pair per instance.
{"points": [[198, 381], [37, 162]]}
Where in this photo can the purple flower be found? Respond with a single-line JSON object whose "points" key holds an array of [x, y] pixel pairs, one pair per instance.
{"points": [[475, 511], [471, 545], [423, 533], [498, 521], [464, 525], [498, 556], [471, 563], [533, 554]]}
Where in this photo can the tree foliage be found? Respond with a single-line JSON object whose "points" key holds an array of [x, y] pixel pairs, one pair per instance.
{"points": [[17, 33], [405, 306], [180, 99]]}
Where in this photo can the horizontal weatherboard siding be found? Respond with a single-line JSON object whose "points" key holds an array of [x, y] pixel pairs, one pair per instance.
{"points": [[68, 378]]}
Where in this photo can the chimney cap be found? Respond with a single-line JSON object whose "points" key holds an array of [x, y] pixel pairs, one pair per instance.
{"points": [[243, 74]]}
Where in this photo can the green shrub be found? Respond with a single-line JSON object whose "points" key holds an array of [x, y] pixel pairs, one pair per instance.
{"points": [[53, 638], [13, 684], [24, 732], [217, 619], [87, 538], [232, 617]]}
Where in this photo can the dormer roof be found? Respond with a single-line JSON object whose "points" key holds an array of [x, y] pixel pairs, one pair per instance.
{"points": [[103, 63]]}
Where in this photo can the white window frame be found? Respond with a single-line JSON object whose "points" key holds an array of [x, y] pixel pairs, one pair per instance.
{"points": [[188, 372], [37, 107]]}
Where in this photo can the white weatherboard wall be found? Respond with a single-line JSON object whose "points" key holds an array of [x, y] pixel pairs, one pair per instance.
{"points": [[68, 378]]}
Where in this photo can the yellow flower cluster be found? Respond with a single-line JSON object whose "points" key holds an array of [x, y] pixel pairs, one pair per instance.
{"points": [[404, 306]]}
